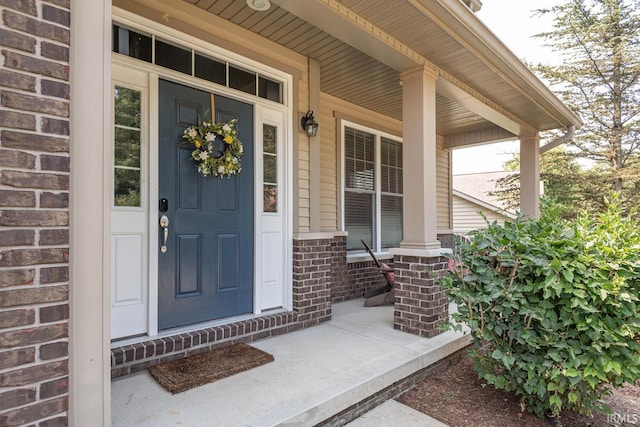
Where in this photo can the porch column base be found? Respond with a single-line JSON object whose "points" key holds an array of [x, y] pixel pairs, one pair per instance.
{"points": [[319, 261], [421, 306]]}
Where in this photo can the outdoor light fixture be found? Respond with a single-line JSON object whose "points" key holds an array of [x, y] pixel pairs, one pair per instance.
{"points": [[309, 124], [259, 5]]}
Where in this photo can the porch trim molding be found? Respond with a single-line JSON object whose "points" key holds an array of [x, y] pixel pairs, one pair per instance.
{"points": [[422, 253], [319, 235]]}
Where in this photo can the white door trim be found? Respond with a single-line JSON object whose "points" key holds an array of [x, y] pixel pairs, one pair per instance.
{"points": [[263, 110]]}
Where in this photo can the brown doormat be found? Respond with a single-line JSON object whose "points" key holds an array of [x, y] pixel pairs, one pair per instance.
{"points": [[209, 366]]}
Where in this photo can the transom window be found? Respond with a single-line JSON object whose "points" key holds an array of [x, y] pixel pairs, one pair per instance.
{"points": [[152, 49], [372, 189]]}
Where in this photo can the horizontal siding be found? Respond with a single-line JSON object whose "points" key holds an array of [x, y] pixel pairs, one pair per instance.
{"points": [[443, 189], [330, 185], [467, 218], [328, 168]]}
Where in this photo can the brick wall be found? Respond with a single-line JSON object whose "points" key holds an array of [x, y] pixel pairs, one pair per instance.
{"points": [[421, 306], [361, 277], [34, 214], [312, 261]]}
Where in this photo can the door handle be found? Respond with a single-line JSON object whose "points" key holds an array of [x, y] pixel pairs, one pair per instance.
{"points": [[164, 223]]}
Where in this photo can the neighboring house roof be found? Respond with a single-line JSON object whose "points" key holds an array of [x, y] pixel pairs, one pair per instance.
{"points": [[476, 188]]}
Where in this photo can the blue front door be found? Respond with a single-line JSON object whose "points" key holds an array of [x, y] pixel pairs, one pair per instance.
{"points": [[206, 272]]}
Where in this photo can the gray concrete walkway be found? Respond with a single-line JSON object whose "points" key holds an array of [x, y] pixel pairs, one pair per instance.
{"points": [[317, 373]]}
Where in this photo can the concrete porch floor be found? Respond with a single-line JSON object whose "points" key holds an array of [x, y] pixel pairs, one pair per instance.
{"points": [[318, 372]]}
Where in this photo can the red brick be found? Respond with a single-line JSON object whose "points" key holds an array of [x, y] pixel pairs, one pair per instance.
{"points": [[31, 336], [61, 421], [54, 388], [14, 199], [53, 14], [54, 51], [24, 102], [21, 257], [58, 127], [15, 318], [50, 275], [54, 163], [12, 119], [62, 3], [57, 89], [26, 6], [17, 277], [29, 25], [16, 159], [33, 295], [17, 397], [17, 357], [54, 313], [28, 141], [30, 64], [17, 80], [54, 350], [17, 41], [31, 413], [54, 237], [28, 218], [54, 200], [45, 181], [17, 238]]}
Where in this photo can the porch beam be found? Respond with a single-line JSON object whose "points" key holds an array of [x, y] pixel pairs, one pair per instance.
{"points": [[490, 135], [480, 106], [334, 18]]}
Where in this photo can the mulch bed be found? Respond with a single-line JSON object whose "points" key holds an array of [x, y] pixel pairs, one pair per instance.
{"points": [[179, 375], [458, 398]]}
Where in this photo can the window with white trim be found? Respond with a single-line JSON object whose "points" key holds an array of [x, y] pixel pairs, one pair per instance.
{"points": [[372, 189]]}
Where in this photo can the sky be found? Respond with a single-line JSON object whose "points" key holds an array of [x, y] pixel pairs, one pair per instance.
{"points": [[512, 21]]}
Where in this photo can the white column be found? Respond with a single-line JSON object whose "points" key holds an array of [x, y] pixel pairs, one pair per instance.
{"points": [[89, 326], [530, 175], [419, 160]]}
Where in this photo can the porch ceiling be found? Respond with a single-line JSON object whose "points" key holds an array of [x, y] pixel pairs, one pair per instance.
{"points": [[360, 62]]}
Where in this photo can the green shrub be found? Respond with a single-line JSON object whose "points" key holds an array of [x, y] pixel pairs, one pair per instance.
{"points": [[552, 306]]}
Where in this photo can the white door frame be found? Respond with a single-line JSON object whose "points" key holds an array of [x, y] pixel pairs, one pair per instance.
{"points": [[265, 112]]}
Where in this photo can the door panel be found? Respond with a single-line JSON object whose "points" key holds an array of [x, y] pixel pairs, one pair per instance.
{"points": [[207, 271]]}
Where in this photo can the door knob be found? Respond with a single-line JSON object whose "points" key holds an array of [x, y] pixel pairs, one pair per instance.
{"points": [[164, 223]]}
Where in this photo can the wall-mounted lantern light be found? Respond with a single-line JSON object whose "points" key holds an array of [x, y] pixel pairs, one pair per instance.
{"points": [[309, 124]]}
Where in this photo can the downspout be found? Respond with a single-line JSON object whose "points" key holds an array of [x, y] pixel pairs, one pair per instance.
{"points": [[561, 140]]}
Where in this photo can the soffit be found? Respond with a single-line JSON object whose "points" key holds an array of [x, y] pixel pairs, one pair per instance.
{"points": [[353, 75]]}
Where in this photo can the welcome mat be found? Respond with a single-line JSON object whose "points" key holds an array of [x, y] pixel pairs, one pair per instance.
{"points": [[209, 366]]}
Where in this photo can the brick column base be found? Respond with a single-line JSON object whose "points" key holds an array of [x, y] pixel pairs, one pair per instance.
{"points": [[312, 261], [421, 306]]}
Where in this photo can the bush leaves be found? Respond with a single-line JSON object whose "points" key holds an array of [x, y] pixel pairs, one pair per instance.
{"points": [[552, 306]]}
